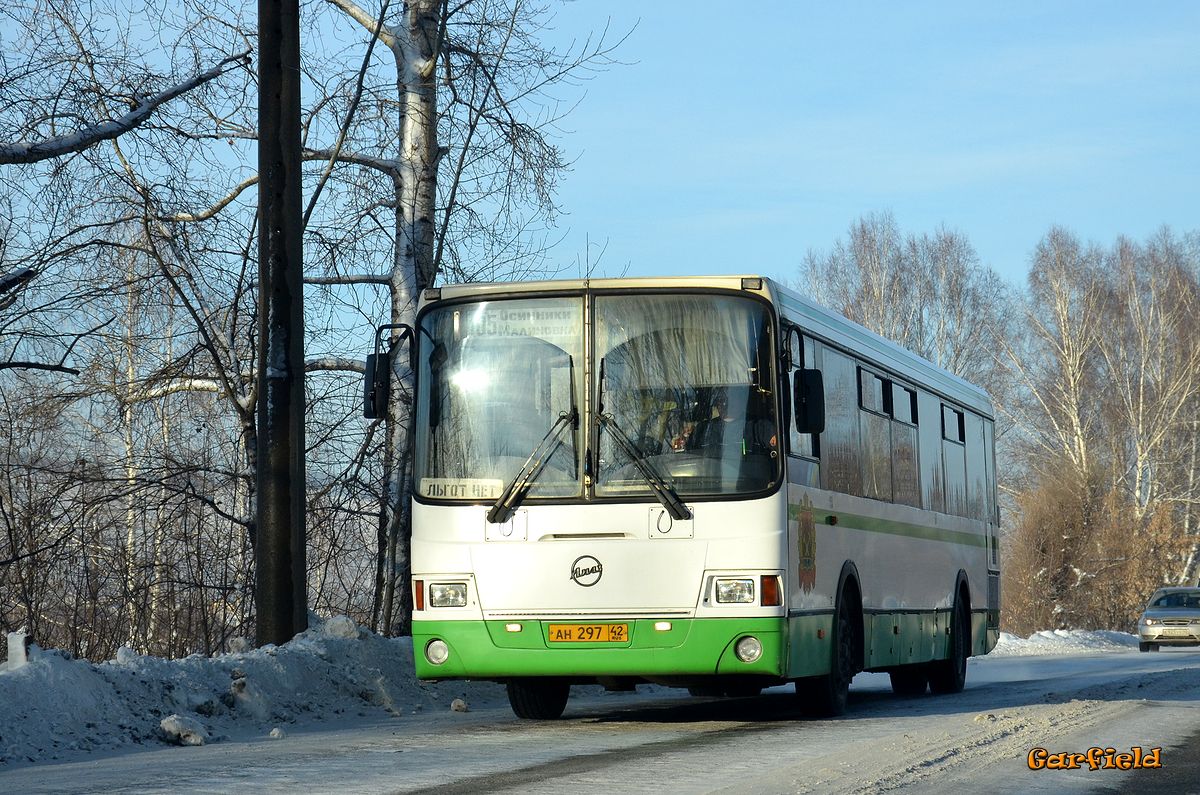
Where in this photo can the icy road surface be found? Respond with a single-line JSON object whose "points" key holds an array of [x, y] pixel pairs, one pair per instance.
{"points": [[662, 741]]}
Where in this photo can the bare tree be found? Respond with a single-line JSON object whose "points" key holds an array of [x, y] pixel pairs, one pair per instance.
{"points": [[436, 159], [469, 178], [927, 292], [1108, 380], [1152, 362]]}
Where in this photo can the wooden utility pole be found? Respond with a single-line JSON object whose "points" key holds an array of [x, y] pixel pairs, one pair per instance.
{"points": [[280, 587]]}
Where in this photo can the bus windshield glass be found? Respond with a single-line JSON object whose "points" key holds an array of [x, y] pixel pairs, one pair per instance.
{"points": [[494, 381], [686, 405], [688, 379]]}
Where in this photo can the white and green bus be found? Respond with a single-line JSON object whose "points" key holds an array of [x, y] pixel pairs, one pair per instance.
{"points": [[704, 482]]}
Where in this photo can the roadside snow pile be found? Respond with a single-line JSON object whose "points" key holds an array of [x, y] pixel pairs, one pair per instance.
{"points": [[56, 707], [1064, 641]]}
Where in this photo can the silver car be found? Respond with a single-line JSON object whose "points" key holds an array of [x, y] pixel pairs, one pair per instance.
{"points": [[1172, 618]]}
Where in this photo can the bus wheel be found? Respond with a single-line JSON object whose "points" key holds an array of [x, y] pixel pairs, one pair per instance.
{"points": [[911, 680], [826, 696], [950, 675], [538, 699]]}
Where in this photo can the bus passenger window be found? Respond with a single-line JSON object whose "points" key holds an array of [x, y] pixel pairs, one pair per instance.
{"points": [[802, 354]]}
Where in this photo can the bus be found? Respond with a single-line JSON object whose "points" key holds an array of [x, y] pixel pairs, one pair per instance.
{"points": [[702, 482]]}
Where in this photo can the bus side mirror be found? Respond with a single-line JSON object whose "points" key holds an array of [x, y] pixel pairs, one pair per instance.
{"points": [[808, 394], [377, 380], [376, 386]]}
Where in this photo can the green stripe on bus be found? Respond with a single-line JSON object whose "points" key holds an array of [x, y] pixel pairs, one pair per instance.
{"points": [[485, 650], [870, 524]]}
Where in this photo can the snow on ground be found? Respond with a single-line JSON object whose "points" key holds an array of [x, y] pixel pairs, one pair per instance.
{"points": [[1064, 641], [57, 708]]}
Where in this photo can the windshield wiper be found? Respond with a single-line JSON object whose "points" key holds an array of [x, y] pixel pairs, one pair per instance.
{"points": [[663, 490], [510, 499]]}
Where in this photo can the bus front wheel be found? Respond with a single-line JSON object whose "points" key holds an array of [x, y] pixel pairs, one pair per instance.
{"points": [[826, 696], [538, 699]]}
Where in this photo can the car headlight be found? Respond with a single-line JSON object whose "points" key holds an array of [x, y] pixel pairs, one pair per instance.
{"points": [[1150, 621], [448, 594], [739, 591]]}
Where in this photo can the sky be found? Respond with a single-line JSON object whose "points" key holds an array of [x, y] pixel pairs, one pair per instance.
{"points": [[737, 140]]}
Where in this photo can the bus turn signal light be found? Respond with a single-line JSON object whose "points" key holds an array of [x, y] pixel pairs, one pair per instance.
{"points": [[419, 594], [771, 595]]}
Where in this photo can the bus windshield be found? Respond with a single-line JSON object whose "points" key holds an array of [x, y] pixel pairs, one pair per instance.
{"points": [[495, 381], [688, 383], [688, 379]]}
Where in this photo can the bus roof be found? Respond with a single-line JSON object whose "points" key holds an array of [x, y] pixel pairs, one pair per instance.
{"points": [[813, 318]]}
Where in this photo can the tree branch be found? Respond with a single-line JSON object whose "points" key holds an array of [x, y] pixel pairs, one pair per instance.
{"points": [[106, 131], [334, 363], [57, 368]]}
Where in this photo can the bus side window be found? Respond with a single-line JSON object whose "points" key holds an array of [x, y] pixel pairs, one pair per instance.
{"points": [[874, 401], [954, 461], [803, 355], [804, 448], [906, 485]]}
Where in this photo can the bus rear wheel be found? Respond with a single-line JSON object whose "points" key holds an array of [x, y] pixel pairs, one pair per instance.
{"points": [[950, 675], [538, 699]]}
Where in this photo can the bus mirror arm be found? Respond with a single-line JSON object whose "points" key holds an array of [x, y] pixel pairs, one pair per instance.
{"points": [[377, 379], [808, 394]]}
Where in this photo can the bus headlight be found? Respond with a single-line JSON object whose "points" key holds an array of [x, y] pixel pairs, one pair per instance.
{"points": [[740, 591], [748, 649], [448, 594], [436, 651]]}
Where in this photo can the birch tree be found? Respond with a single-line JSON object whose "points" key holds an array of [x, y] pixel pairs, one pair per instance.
{"points": [[927, 292], [1108, 375], [470, 181], [1058, 365], [1151, 352], [431, 155]]}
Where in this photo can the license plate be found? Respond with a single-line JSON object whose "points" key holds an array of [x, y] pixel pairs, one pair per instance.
{"points": [[1175, 632], [589, 633]]}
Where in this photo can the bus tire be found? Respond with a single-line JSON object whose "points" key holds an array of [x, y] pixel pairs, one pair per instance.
{"points": [[910, 680], [826, 696], [538, 699], [950, 675]]}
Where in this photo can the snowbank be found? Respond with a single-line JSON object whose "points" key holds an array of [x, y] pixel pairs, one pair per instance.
{"points": [[1064, 641], [55, 707]]}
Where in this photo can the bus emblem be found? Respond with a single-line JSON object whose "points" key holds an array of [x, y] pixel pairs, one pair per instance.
{"points": [[807, 537], [586, 571]]}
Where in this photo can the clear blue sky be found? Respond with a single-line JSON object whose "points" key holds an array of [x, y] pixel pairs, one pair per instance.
{"points": [[741, 135]]}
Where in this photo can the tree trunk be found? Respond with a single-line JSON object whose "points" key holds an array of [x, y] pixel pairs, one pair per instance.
{"points": [[414, 269]]}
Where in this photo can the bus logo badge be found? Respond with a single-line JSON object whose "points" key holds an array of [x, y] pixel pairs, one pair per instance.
{"points": [[807, 534], [586, 571]]}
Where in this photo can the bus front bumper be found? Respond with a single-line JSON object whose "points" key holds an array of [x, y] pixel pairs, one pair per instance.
{"points": [[654, 648]]}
